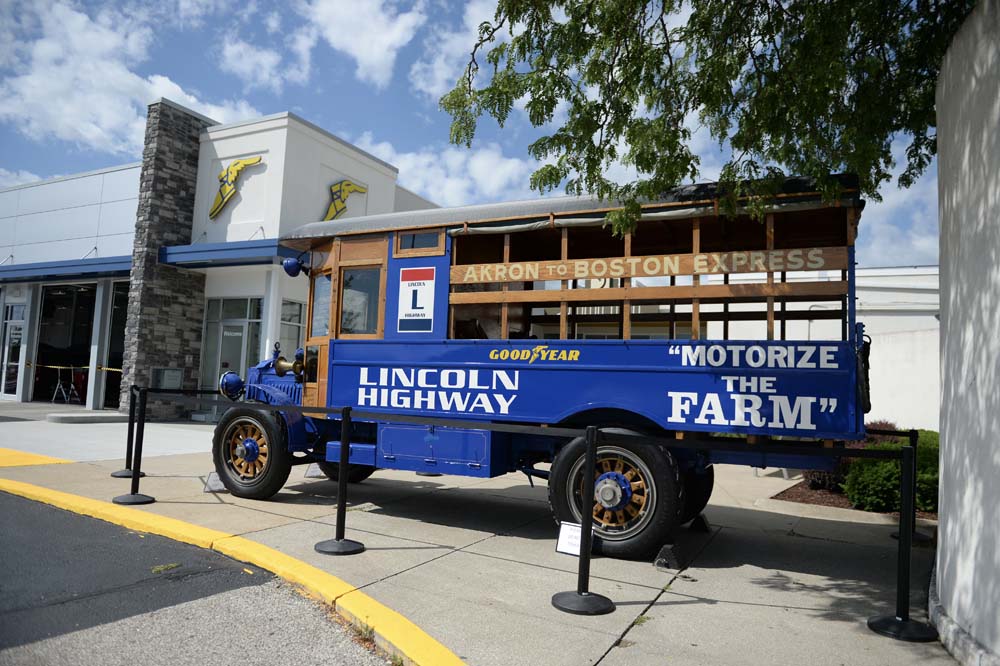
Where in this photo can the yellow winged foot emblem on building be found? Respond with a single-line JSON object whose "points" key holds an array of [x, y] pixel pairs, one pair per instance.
{"points": [[340, 191], [227, 183]]}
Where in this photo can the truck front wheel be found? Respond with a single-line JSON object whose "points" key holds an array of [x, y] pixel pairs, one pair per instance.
{"points": [[251, 456], [638, 495]]}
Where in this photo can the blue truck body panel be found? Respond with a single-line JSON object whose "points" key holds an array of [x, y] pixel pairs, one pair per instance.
{"points": [[800, 389]]}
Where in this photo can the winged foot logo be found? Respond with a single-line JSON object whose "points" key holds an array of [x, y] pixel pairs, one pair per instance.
{"points": [[227, 183]]}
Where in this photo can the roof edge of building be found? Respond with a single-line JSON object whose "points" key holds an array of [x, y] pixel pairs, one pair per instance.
{"points": [[71, 176], [181, 107]]}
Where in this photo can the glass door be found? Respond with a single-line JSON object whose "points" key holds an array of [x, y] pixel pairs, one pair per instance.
{"points": [[232, 348], [11, 338]]}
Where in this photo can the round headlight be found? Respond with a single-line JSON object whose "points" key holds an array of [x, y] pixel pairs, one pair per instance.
{"points": [[231, 385]]}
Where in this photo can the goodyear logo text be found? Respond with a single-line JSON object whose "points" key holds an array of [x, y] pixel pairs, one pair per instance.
{"points": [[537, 353]]}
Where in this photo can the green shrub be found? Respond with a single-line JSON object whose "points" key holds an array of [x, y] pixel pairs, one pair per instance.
{"points": [[873, 485], [835, 479]]}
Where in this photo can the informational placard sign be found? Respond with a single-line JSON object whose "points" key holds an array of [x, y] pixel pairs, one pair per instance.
{"points": [[416, 300], [569, 539]]}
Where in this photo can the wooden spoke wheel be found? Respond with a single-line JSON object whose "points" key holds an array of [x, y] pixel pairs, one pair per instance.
{"points": [[251, 455], [637, 495]]}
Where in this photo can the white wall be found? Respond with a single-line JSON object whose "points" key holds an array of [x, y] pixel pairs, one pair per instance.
{"points": [[254, 211], [968, 114], [315, 161], [905, 379], [76, 217], [407, 200], [291, 185]]}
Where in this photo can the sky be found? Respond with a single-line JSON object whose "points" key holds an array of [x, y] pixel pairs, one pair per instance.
{"points": [[75, 80]]}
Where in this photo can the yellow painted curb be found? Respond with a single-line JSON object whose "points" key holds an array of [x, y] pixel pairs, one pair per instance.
{"points": [[13, 458], [418, 646], [393, 632], [326, 586], [134, 519]]}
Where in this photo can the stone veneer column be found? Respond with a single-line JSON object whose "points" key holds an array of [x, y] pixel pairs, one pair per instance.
{"points": [[166, 305]]}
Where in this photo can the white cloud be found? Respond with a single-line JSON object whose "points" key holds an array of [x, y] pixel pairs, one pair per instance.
{"points": [[452, 176], [12, 178], [370, 32], [255, 66], [902, 229], [446, 51], [272, 23], [193, 12], [74, 81], [301, 44]]}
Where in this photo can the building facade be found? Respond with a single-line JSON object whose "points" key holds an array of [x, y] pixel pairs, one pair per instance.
{"points": [[166, 272]]}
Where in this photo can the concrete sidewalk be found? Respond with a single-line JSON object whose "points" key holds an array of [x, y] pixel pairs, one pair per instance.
{"points": [[473, 562]]}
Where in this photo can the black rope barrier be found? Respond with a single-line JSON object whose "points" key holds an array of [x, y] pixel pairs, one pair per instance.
{"points": [[581, 601]]}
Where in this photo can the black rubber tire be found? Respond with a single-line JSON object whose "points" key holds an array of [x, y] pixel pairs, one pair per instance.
{"points": [[270, 479], [697, 491], [355, 473], [666, 505]]}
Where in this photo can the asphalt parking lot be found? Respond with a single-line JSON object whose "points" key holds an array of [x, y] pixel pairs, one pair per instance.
{"points": [[82, 591]]}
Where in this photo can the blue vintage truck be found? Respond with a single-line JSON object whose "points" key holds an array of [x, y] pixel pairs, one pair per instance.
{"points": [[534, 313]]}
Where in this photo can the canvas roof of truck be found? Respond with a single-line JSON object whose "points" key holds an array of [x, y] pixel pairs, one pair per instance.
{"points": [[509, 216]]}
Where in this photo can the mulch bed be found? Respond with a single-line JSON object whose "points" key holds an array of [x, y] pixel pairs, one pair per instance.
{"points": [[803, 494]]}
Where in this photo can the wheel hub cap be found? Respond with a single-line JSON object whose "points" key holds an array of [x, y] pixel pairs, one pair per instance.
{"points": [[248, 450], [612, 491]]}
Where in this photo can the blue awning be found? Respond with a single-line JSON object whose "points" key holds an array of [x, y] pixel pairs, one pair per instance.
{"points": [[238, 253], [60, 270]]}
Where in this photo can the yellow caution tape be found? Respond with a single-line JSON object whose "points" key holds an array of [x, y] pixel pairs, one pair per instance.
{"points": [[70, 367]]}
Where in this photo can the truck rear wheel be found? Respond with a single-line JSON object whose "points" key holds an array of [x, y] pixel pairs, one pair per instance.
{"points": [[250, 453], [638, 495], [355, 473], [697, 492]]}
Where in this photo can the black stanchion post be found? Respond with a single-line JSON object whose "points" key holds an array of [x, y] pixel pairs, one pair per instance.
{"points": [[135, 497], [918, 537], [341, 545], [900, 626], [582, 601], [126, 473]]}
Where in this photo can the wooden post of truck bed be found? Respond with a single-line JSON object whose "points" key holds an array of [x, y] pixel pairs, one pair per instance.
{"points": [[563, 306], [626, 307], [770, 277], [696, 281], [505, 307]]}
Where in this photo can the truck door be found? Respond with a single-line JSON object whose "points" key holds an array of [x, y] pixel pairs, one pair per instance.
{"points": [[346, 301]]}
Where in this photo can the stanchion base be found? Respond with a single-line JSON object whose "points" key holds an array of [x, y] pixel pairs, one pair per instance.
{"points": [[583, 604], [126, 474], [918, 537], [910, 631], [138, 498], [340, 547]]}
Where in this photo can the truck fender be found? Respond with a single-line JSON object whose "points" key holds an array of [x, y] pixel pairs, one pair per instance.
{"points": [[295, 423]]}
